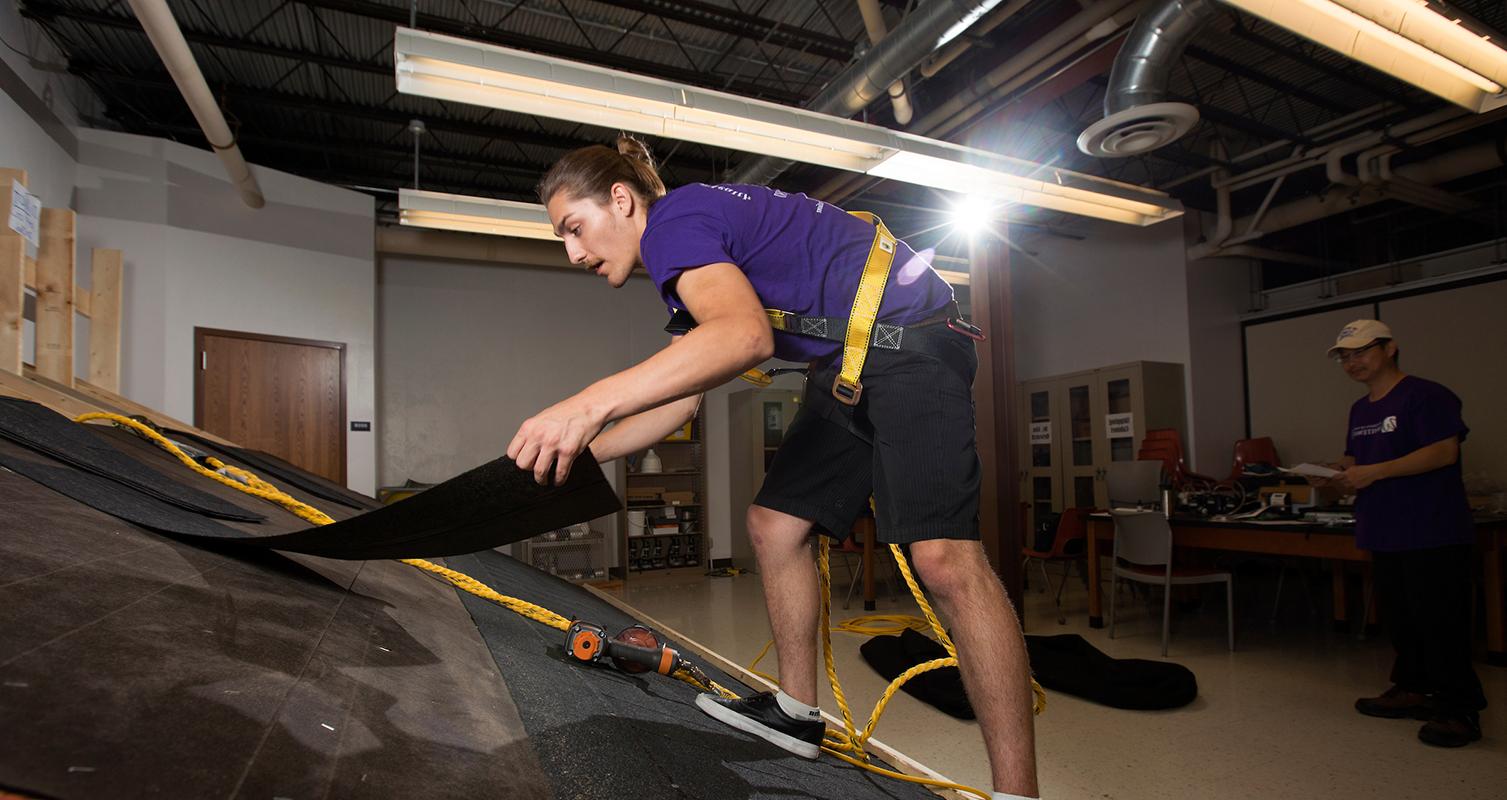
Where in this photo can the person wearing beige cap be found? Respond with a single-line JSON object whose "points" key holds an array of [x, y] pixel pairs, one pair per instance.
{"points": [[1402, 461]]}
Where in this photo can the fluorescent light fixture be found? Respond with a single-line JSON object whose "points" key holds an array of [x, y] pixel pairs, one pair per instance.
{"points": [[459, 70], [455, 212], [1403, 38]]}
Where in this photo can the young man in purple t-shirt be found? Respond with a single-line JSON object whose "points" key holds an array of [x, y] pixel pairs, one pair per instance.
{"points": [[724, 254], [1402, 460]]}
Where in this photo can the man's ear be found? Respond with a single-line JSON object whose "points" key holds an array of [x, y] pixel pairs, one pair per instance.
{"points": [[623, 199]]}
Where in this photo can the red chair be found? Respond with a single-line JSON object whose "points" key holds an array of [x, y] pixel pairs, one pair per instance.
{"points": [[1254, 451], [1166, 445], [1072, 528]]}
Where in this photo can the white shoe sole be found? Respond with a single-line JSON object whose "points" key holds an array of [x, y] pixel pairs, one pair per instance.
{"points": [[721, 713]]}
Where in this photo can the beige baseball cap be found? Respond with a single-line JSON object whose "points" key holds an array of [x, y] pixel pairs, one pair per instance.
{"points": [[1358, 334]]}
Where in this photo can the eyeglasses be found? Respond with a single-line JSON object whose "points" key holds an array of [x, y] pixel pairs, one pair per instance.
{"points": [[1345, 355]]}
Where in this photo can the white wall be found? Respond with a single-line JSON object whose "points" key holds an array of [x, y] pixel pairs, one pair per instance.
{"points": [[195, 256], [1118, 295], [1219, 291]]}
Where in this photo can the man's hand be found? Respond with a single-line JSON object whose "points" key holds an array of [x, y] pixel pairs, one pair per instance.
{"points": [[555, 436], [1360, 477]]}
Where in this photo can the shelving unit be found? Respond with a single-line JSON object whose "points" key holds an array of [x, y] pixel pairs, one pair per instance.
{"points": [[574, 553], [680, 546]]}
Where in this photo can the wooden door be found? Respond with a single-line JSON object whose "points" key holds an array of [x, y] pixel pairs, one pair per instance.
{"points": [[276, 394]]}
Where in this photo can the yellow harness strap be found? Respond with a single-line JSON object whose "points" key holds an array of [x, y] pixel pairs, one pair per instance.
{"points": [[876, 273]]}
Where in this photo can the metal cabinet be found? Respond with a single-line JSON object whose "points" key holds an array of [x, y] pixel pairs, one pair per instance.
{"points": [[1076, 425]]}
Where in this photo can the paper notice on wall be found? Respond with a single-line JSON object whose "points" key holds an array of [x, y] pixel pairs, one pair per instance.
{"points": [[25, 213], [1119, 426], [1041, 432]]}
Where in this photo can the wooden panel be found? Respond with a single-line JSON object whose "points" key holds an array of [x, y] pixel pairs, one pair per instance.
{"points": [[130, 407], [1297, 396], [104, 328], [994, 401], [1456, 337], [15, 385], [55, 295], [283, 396], [12, 278]]}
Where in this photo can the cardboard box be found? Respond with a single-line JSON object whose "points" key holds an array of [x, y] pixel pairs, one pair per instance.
{"points": [[645, 494], [679, 498]]}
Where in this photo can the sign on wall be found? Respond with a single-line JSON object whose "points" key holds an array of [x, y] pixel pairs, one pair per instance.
{"points": [[25, 212], [1119, 426], [1041, 432]]}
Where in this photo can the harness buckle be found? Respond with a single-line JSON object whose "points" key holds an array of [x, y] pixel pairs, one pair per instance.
{"points": [[846, 392]]}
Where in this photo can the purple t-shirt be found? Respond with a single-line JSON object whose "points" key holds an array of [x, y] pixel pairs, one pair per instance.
{"points": [[801, 255], [1412, 512]]}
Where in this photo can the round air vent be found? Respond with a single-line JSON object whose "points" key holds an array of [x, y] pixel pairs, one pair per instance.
{"points": [[1138, 130]]}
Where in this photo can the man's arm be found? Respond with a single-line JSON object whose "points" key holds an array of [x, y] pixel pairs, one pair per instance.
{"points": [[733, 335], [1428, 458], [634, 433]]}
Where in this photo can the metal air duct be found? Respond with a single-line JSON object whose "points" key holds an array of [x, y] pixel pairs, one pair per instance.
{"points": [[1137, 116]]}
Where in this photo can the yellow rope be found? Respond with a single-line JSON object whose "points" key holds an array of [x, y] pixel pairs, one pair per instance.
{"points": [[846, 745]]}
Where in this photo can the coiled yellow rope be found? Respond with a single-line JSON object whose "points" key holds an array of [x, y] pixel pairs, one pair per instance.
{"points": [[846, 745]]}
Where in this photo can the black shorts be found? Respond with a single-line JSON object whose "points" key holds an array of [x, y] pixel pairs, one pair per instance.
{"points": [[909, 443]]}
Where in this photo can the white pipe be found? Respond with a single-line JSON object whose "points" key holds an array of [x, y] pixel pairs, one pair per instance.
{"points": [[873, 22], [1440, 169], [163, 30], [931, 66]]}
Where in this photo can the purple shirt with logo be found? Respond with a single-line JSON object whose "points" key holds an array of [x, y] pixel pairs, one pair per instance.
{"points": [[1412, 512], [801, 255]]}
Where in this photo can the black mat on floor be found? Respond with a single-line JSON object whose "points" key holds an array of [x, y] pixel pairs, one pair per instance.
{"points": [[604, 734], [489, 506], [1065, 663], [133, 665], [37, 428], [271, 468]]}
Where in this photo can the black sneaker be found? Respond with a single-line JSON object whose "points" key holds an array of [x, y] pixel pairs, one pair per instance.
{"points": [[1451, 730], [762, 716]]}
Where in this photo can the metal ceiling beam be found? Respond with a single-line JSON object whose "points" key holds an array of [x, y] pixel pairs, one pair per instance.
{"points": [[399, 16], [749, 26], [437, 122], [1236, 68], [1245, 34]]}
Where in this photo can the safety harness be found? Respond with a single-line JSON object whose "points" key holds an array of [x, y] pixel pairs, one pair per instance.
{"points": [[859, 331]]}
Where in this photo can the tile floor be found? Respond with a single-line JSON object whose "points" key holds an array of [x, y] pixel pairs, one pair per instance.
{"points": [[1273, 719]]}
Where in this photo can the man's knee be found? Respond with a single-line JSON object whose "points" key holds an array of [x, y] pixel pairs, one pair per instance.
{"points": [[768, 529], [951, 568]]}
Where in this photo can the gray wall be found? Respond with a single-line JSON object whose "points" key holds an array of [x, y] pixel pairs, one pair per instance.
{"points": [[469, 350], [1219, 290]]}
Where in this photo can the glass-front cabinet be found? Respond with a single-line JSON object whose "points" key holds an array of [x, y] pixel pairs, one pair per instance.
{"points": [[1075, 425]]}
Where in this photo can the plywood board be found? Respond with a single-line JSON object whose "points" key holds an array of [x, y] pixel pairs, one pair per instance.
{"points": [[55, 255], [104, 328]]}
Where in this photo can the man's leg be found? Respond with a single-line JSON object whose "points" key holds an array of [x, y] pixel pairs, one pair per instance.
{"points": [[782, 545], [991, 655]]}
